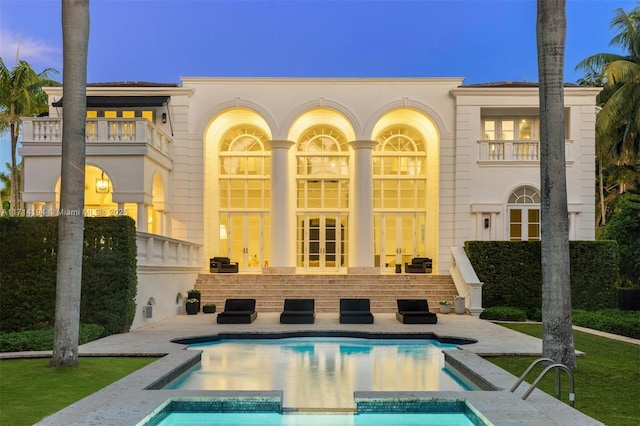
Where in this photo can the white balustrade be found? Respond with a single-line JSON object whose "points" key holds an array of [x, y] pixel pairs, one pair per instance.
{"points": [[516, 151], [100, 130], [158, 251]]}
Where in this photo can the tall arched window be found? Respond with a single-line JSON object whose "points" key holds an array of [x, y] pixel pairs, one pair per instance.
{"points": [[524, 214], [399, 197], [244, 169], [322, 185]]}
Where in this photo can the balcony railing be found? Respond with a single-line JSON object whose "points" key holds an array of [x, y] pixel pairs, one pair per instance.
{"points": [[99, 130], [516, 150], [155, 251]]}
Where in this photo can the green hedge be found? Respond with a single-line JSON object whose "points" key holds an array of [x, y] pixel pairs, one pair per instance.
{"points": [[504, 313], [42, 340], [623, 323], [512, 275], [28, 273]]}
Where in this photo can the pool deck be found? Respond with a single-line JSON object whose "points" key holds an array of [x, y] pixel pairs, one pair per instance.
{"points": [[127, 402]]}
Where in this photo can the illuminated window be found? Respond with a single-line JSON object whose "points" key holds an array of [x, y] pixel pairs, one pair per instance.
{"points": [[511, 128], [524, 214]]}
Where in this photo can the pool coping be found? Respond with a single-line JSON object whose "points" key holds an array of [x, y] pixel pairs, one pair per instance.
{"points": [[133, 398]]}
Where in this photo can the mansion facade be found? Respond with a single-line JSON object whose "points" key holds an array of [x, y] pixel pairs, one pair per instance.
{"points": [[306, 175]]}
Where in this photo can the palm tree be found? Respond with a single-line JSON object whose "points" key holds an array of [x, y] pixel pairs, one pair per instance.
{"points": [[21, 95], [618, 123], [5, 192], [557, 340], [75, 45]]}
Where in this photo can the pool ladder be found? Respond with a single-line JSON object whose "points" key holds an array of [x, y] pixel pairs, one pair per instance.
{"points": [[550, 365]]}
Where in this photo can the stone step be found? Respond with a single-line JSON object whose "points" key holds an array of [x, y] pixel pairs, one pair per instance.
{"points": [[327, 290]]}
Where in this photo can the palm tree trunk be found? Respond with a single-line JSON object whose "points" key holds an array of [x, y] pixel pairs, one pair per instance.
{"points": [[15, 206], [557, 342], [75, 41]]}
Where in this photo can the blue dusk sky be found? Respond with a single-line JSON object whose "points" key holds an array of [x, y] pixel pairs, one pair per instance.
{"points": [[163, 40]]}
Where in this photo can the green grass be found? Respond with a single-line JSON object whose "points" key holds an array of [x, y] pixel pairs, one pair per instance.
{"points": [[31, 390], [607, 380]]}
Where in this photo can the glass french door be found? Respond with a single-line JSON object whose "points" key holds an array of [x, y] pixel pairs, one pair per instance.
{"points": [[321, 241], [399, 238], [243, 239]]}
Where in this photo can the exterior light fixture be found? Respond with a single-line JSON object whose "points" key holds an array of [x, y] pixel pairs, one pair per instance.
{"points": [[486, 223], [164, 117], [102, 185]]}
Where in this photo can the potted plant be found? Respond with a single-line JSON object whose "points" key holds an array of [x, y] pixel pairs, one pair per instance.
{"points": [[459, 305], [445, 306], [192, 306], [209, 308], [194, 294]]}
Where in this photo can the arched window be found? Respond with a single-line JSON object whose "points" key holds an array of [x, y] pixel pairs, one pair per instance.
{"points": [[524, 214]]}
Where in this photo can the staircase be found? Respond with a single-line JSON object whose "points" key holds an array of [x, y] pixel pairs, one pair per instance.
{"points": [[327, 290]]}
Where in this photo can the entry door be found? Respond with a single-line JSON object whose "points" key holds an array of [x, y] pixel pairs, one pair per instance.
{"points": [[245, 239], [320, 242], [399, 240]]}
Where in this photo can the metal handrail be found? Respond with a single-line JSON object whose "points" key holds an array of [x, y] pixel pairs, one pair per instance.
{"points": [[551, 365]]}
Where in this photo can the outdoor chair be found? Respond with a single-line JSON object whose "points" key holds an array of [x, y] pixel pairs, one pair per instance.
{"points": [[415, 311], [222, 265], [238, 311], [355, 311], [298, 311], [419, 265]]}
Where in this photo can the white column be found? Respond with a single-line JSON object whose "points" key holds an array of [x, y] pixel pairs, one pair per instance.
{"points": [[142, 218], [362, 257], [280, 218]]}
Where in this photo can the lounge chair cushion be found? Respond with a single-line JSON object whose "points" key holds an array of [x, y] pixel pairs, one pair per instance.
{"points": [[355, 311], [238, 311], [298, 311], [415, 311]]}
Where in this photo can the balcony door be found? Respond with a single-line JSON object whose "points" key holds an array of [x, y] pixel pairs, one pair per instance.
{"points": [[320, 242], [400, 238], [242, 239]]}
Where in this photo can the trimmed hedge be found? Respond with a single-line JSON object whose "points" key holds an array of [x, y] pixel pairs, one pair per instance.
{"points": [[504, 313], [623, 323], [512, 273], [42, 340], [28, 273]]}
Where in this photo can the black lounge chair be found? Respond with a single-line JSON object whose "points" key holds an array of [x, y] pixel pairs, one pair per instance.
{"points": [[419, 265], [355, 311], [222, 265], [415, 311], [238, 311], [298, 311]]}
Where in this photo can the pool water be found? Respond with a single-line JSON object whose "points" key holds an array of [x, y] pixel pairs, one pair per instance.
{"points": [[321, 372], [275, 419]]}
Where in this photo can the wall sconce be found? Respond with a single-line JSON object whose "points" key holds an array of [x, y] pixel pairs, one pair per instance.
{"points": [[164, 117], [486, 223], [102, 185], [223, 232]]}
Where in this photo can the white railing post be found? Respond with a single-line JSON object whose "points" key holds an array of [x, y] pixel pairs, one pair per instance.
{"points": [[466, 280]]}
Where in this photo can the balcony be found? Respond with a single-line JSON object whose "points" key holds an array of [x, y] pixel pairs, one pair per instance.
{"points": [[102, 134], [514, 152]]}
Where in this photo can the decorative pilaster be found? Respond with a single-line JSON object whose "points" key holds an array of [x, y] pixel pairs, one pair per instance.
{"points": [[362, 256], [280, 219]]}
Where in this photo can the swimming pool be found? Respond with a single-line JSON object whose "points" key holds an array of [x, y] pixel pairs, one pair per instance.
{"points": [[238, 411], [322, 372]]}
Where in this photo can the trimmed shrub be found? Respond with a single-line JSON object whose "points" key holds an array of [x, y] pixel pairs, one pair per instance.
{"points": [[624, 323], [28, 273], [512, 273], [503, 313], [42, 340]]}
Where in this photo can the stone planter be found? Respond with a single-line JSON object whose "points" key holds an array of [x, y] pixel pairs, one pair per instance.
{"points": [[459, 306], [445, 309], [208, 309], [192, 308]]}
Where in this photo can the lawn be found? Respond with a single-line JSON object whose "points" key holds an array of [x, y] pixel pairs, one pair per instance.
{"points": [[607, 380], [31, 390]]}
